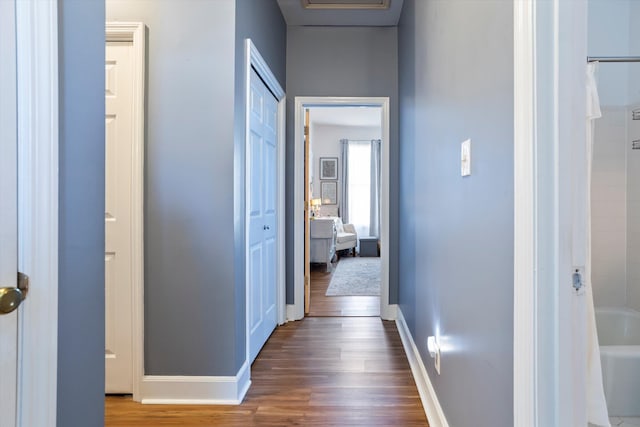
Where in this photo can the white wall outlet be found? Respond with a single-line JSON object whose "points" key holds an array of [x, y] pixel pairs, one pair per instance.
{"points": [[577, 280], [434, 351], [465, 158]]}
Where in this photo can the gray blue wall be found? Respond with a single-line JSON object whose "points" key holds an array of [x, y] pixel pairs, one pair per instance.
{"points": [[189, 259], [262, 22], [189, 189], [194, 259], [456, 256], [344, 61], [81, 214]]}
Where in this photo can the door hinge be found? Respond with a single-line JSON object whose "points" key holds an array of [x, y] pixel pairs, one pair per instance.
{"points": [[23, 283]]}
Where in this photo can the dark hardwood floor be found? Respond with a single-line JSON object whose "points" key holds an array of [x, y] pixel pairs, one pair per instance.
{"points": [[342, 366], [321, 371], [347, 306]]}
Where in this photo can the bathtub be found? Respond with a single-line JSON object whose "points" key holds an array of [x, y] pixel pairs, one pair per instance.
{"points": [[619, 339]]}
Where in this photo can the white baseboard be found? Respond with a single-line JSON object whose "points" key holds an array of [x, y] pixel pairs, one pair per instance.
{"points": [[389, 312], [293, 314], [193, 390], [435, 414]]}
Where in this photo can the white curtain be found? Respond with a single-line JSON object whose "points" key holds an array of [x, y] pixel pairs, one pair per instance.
{"points": [[374, 199], [359, 202], [596, 404]]}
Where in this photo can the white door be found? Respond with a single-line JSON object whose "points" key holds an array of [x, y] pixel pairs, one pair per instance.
{"points": [[118, 220], [8, 211], [262, 215]]}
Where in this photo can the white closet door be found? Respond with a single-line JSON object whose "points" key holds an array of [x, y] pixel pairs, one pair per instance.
{"points": [[262, 215]]}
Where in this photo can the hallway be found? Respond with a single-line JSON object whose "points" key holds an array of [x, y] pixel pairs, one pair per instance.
{"points": [[316, 372]]}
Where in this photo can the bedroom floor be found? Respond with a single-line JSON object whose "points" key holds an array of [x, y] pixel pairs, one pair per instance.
{"points": [[338, 306]]}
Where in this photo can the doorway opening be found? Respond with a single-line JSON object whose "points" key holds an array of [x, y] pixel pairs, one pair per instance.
{"points": [[343, 160], [342, 179]]}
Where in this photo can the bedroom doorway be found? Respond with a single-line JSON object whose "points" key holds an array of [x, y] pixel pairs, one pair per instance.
{"points": [[342, 180]]}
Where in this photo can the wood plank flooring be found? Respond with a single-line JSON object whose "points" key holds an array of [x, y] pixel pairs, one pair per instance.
{"points": [[327, 370], [320, 371], [322, 305]]}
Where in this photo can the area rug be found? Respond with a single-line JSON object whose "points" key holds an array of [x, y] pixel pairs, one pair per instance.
{"points": [[355, 276]]}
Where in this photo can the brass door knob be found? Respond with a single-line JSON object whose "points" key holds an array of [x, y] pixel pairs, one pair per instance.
{"points": [[11, 298]]}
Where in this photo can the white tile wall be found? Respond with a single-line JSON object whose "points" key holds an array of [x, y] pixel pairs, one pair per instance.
{"points": [[633, 214], [609, 209], [615, 210]]}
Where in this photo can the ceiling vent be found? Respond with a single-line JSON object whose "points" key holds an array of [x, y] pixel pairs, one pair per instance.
{"points": [[346, 4]]}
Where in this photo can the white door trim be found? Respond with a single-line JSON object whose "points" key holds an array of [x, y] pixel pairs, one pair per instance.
{"points": [[549, 61], [37, 89], [254, 60], [296, 312], [525, 315], [134, 32], [8, 209]]}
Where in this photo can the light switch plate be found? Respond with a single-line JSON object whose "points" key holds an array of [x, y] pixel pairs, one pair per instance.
{"points": [[465, 158]]}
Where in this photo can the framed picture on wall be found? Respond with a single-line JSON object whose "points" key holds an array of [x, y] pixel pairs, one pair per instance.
{"points": [[328, 168], [329, 192]]}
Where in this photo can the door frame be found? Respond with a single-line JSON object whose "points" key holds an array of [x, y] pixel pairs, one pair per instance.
{"points": [[253, 59], [134, 32], [550, 40], [8, 211], [296, 311], [37, 91]]}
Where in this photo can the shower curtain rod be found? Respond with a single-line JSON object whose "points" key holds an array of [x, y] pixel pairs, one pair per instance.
{"points": [[613, 58]]}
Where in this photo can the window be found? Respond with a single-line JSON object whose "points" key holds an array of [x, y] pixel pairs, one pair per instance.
{"points": [[360, 186]]}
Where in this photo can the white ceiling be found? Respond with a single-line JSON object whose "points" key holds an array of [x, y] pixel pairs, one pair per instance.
{"points": [[346, 116], [295, 14]]}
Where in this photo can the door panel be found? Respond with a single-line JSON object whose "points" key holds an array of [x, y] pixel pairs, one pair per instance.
{"points": [[118, 179], [270, 263], [255, 148], [262, 215], [255, 310], [270, 171], [110, 304]]}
